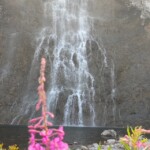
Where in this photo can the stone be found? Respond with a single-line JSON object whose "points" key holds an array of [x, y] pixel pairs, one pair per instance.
{"points": [[109, 134], [95, 145], [111, 141], [84, 148]]}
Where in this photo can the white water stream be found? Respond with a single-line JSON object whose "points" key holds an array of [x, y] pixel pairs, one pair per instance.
{"points": [[70, 68], [63, 40]]}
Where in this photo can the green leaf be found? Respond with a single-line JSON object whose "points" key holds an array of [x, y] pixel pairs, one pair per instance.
{"points": [[109, 148], [144, 140], [128, 131], [99, 147], [126, 146], [132, 130]]}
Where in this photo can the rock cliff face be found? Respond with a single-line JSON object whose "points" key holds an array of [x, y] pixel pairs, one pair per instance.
{"points": [[121, 70]]}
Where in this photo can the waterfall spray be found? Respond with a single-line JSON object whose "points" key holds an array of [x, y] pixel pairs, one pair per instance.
{"points": [[63, 39]]}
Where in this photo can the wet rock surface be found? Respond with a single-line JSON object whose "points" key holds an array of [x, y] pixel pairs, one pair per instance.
{"points": [[109, 138], [115, 145], [78, 138], [110, 143], [120, 99]]}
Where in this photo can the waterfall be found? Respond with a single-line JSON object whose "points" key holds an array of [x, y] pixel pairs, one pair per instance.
{"points": [[70, 74], [63, 40], [90, 80], [70, 69], [113, 91]]}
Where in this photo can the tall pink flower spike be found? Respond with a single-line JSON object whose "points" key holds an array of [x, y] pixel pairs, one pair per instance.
{"points": [[41, 137]]}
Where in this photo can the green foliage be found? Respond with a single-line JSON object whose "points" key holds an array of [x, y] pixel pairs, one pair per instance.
{"points": [[100, 147], [134, 139], [1, 147], [12, 147], [109, 148], [125, 145]]}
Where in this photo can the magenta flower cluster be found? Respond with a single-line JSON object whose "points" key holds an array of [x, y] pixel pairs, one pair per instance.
{"points": [[48, 140], [42, 135]]}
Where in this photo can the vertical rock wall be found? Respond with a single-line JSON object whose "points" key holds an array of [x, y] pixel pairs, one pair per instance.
{"points": [[122, 81]]}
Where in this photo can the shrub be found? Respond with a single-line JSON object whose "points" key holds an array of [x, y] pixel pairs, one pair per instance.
{"points": [[11, 147], [134, 139]]}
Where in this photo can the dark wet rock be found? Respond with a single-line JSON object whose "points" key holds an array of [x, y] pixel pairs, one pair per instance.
{"points": [[115, 145], [109, 134]]}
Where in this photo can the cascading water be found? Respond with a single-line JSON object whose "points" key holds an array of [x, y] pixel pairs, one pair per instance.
{"points": [[63, 40], [69, 68], [113, 90], [91, 80]]}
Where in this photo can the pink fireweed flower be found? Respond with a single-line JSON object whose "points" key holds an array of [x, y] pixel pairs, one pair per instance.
{"points": [[39, 123], [32, 139], [50, 114], [46, 133], [38, 105], [144, 131], [33, 131], [139, 144], [57, 144], [61, 132], [36, 146], [34, 120], [48, 139], [125, 139], [49, 124]]}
